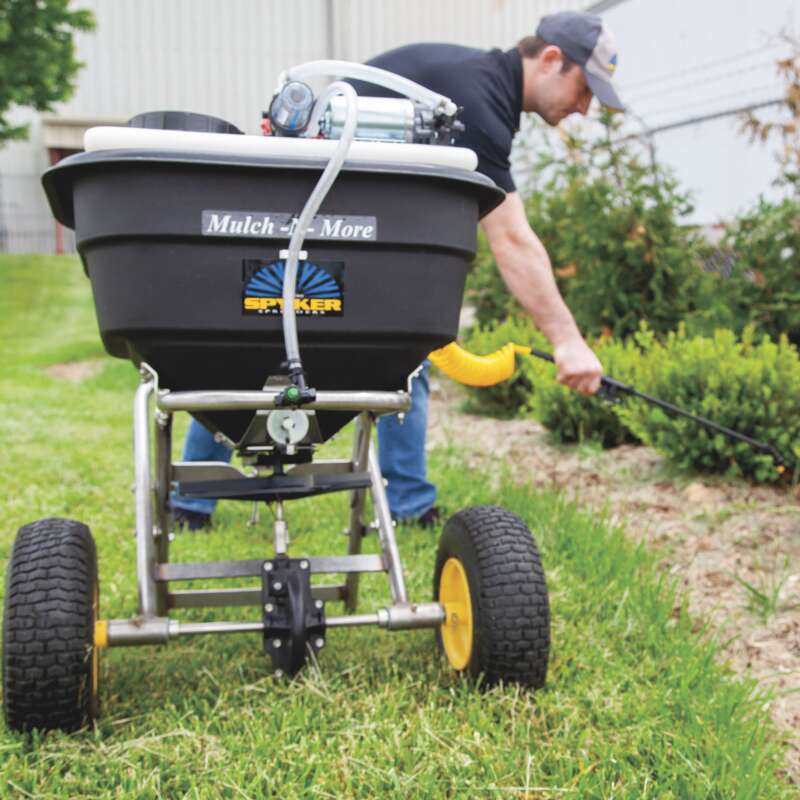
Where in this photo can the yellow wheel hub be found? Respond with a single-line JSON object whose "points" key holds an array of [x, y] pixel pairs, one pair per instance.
{"points": [[457, 627], [96, 623]]}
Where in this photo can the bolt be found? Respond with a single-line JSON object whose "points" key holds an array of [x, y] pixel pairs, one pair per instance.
{"points": [[319, 604], [267, 566], [319, 643], [304, 564], [276, 643], [277, 586], [269, 608]]}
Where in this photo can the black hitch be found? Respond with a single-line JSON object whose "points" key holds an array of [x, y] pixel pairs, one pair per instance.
{"points": [[293, 620]]}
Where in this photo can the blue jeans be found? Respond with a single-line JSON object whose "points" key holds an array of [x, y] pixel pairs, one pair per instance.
{"points": [[199, 446], [401, 450]]}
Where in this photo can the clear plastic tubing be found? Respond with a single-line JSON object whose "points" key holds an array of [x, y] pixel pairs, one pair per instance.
{"points": [[310, 209]]}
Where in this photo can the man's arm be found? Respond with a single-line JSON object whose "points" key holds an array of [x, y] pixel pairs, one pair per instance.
{"points": [[526, 270]]}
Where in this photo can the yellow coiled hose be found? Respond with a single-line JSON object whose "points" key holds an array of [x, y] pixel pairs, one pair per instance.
{"points": [[473, 370]]}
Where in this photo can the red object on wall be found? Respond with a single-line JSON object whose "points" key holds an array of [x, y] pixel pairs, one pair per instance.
{"points": [[56, 154]]}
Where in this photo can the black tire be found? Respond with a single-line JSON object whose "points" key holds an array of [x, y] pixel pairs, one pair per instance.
{"points": [[49, 661], [510, 639]]}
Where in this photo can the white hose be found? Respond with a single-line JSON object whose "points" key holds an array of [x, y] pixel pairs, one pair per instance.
{"points": [[380, 77], [310, 209]]}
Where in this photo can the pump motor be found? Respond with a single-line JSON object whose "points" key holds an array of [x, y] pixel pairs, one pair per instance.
{"points": [[382, 119]]}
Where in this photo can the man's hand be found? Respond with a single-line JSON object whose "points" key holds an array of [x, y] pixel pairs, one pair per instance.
{"points": [[578, 367]]}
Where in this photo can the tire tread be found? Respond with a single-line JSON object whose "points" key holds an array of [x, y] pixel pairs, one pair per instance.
{"points": [[47, 626], [513, 625]]}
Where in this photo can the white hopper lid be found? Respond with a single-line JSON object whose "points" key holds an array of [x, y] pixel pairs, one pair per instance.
{"points": [[120, 138]]}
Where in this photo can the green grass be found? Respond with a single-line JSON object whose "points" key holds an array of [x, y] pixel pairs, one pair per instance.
{"points": [[635, 706]]}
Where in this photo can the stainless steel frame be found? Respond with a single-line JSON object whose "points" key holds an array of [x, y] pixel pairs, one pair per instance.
{"points": [[156, 474]]}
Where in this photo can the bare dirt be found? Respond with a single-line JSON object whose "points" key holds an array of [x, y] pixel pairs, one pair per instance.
{"points": [[716, 536], [76, 371]]}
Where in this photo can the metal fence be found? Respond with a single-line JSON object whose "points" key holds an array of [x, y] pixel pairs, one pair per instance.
{"points": [[26, 224]]}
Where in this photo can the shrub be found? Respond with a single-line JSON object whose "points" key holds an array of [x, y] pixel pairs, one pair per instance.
{"points": [[764, 286], [752, 387]]}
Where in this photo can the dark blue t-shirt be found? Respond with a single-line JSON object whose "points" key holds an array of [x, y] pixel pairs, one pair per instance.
{"points": [[487, 84]]}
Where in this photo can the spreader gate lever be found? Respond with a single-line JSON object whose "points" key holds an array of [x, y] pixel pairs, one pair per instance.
{"points": [[293, 620]]}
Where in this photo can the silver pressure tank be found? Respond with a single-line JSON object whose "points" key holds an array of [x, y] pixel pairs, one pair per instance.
{"points": [[384, 119]]}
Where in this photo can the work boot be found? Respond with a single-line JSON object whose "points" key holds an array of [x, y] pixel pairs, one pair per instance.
{"points": [[430, 519], [191, 520]]}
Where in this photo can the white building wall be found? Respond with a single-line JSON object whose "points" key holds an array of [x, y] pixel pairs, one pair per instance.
{"points": [[687, 59], [218, 57], [365, 28]]}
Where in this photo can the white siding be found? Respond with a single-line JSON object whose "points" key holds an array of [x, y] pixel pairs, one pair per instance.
{"points": [[217, 57], [365, 27], [687, 59]]}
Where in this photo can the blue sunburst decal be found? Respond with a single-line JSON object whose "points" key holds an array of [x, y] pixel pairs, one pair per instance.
{"points": [[319, 288]]}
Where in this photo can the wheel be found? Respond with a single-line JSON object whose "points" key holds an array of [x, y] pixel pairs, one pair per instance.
{"points": [[490, 580], [50, 667]]}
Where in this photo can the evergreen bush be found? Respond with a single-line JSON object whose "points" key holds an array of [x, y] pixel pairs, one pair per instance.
{"points": [[748, 385], [764, 286]]}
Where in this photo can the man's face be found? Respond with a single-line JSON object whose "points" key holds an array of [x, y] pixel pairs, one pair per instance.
{"points": [[555, 94], [562, 94]]}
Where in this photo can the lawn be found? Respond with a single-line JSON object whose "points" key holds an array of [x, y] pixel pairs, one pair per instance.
{"points": [[636, 705]]}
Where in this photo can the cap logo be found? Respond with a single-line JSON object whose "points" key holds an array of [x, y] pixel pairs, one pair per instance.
{"points": [[612, 64]]}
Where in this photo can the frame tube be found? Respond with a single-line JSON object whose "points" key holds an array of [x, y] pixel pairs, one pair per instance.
{"points": [[391, 554], [361, 441], [380, 402], [145, 542], [159, 630]]}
